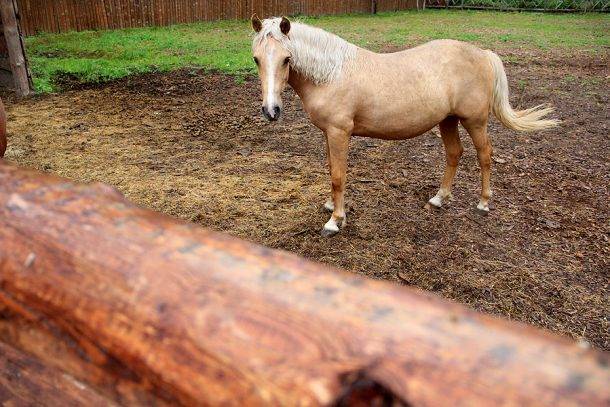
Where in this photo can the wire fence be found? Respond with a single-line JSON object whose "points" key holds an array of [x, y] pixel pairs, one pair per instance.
{"points": [[542, 5]]}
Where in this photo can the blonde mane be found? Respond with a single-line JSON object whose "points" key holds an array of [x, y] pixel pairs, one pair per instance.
{"points": [[316, 54]]}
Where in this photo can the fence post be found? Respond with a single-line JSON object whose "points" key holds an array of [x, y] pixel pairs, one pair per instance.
{"points": [[2, 130], [373, 6], [14, 44]]}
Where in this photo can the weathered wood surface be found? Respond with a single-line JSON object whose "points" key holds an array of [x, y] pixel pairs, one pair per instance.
{"points": [[14, 44], [148, 310], [25, 381], [3, 141]]}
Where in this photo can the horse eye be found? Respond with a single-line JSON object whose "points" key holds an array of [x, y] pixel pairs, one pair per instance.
{"points": [[286, 61], [255, 60]]}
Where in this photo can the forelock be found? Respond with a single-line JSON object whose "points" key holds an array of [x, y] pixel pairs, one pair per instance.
{"points": [[315, 53], [271, 28]]}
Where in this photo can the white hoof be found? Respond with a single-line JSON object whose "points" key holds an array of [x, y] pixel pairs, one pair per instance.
{"points": [[331, 225], [331, 228], [483, 209], [329, 206], [436, 201]]}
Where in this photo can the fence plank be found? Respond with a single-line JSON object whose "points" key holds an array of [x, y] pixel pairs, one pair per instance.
{"points": [[69, 15]]}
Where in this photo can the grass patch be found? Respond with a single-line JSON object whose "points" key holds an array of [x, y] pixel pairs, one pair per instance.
{"points": [[97, 56]]}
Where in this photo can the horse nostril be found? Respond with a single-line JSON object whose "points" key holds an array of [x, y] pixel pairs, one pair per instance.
{"points": [[267, 114], [272, 115]]}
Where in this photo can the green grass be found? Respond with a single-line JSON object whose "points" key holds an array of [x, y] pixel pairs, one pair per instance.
{"points": [[96, 56]]}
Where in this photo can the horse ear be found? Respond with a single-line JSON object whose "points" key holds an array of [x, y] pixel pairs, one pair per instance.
{"points": [[257, 24], [285, 26]]}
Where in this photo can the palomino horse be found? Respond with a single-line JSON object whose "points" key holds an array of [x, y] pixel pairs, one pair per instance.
{"points": [[347, 90]]}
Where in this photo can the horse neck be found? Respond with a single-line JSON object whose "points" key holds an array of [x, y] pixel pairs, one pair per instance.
{"points": [[300, 83], [304, 48]]}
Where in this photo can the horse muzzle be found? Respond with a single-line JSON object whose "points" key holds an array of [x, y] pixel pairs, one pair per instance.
{"points": [[273, 114]]}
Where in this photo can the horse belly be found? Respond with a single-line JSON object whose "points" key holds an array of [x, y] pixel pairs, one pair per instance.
{"points": [[396, 126], [404, 109]]}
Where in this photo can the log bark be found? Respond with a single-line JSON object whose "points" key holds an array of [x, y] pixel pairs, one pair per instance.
{"points": [[25, 381], [147, 310], [14, 43]]}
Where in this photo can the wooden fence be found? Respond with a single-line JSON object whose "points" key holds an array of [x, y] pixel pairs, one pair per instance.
{"points": [[68, 15], [102, 302]]}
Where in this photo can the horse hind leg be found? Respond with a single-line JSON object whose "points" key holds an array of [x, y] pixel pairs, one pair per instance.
{"points": [[329, 205], [453, 150], [478, 132]]}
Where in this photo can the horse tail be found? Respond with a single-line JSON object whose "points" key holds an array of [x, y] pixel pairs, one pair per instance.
{"points": [[521, 120]]}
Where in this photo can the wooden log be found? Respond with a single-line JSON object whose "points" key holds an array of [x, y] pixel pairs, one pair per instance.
{"points": [[25, 381], [145, 309], [3, 141], [15, 47]]}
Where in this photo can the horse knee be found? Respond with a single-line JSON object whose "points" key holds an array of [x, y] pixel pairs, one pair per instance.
{"points": [[484, 155], [485, 162]]}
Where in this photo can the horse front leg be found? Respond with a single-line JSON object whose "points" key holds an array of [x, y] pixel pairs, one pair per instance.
{"points": [[337, 142]]}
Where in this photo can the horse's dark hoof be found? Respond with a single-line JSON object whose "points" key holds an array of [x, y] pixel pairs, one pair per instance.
{"points": [[328, 232], [482, 210]]}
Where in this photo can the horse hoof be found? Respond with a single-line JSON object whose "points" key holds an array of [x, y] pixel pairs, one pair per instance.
{"points": [[434, 203], [329, 206], [328, 233], [482, 210]]}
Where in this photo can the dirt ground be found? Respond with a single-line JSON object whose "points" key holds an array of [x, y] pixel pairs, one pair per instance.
{"points": [[194, 145]]}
